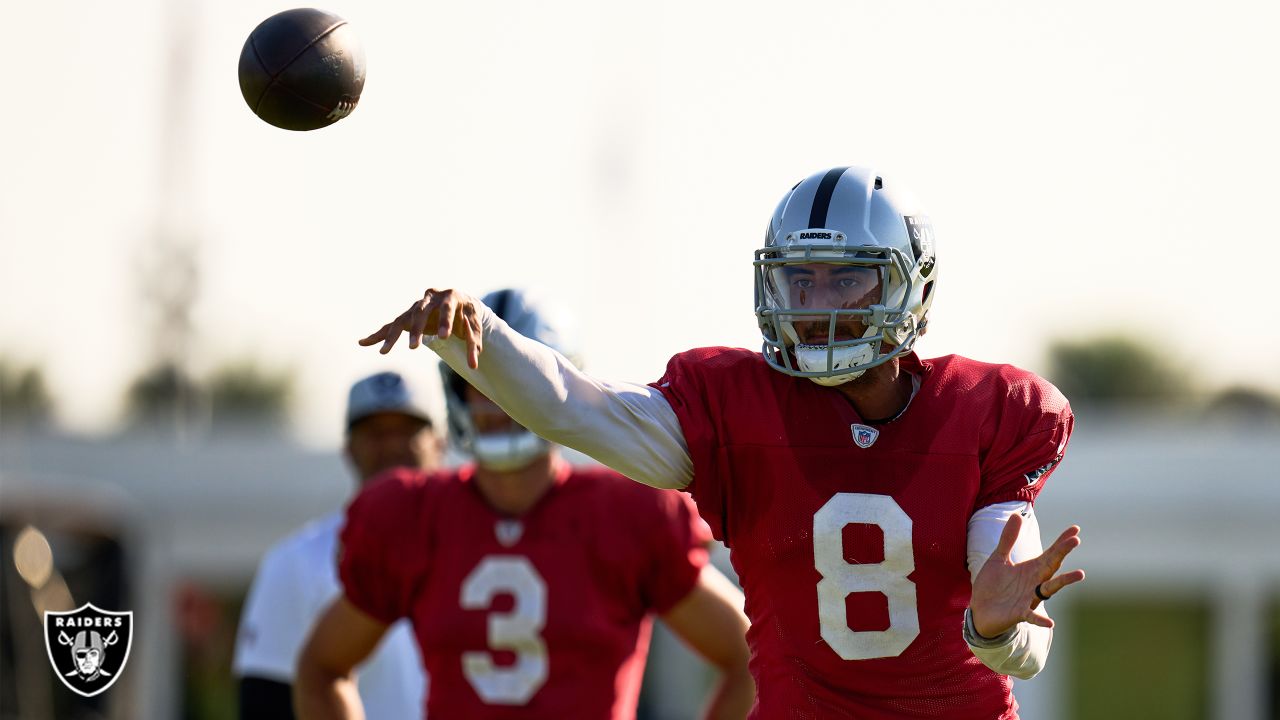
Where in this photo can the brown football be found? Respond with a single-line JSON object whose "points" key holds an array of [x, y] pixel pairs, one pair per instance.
{"points": [[302, 69]]}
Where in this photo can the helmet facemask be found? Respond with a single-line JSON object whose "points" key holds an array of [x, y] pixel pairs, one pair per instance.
{"points": [[505, 446], [843, 222], [831, 312], [511, 448]]}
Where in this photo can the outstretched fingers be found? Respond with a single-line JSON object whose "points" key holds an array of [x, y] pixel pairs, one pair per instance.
{"points": [[387, 335], [472, 334], [1036, 618], [441, 313], [1051, 586], [394, 330], [448, 307], [1052, 559], [1008, 537], [421, 316], [375, 337], [1069, 540]]}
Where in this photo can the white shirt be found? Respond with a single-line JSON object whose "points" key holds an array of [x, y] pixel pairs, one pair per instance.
{"points": [[296, 581]]}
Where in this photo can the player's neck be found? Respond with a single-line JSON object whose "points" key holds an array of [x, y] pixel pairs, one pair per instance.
{"points": [[881, 393], [516, 492]]}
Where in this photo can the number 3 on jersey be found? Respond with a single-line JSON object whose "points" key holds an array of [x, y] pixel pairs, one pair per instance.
{"points": [[841, 578], [518, 630]]}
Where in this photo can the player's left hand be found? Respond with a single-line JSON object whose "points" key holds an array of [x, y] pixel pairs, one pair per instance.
{"points": [[1004, 593]]}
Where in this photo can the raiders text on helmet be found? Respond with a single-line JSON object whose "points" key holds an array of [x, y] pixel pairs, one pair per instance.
{"points": [[850, 228]]}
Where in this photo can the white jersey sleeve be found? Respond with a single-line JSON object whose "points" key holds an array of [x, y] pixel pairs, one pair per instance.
{"points": [[1022, 650], [630, 428], [274, 622]]}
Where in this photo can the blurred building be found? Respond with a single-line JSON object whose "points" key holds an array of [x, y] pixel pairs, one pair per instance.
{"points": [[1180, 616]]}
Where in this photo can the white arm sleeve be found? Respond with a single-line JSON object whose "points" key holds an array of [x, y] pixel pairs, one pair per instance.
{"points": [[631, 428], [1024, 648], [273, 625]]}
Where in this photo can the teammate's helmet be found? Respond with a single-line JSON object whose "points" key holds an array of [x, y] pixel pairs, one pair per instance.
{"points": [[515, 449], [847, 217]]}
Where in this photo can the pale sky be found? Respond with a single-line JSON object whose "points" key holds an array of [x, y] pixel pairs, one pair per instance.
{"points": [[1089, 166]]}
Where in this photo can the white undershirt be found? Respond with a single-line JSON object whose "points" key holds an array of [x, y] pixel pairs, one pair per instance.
{"points": [[633, 429], [295, 583]]}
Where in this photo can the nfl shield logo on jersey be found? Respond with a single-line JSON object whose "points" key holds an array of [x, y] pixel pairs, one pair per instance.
{"points": [[88, 646], [864, 435], [508, 532]]}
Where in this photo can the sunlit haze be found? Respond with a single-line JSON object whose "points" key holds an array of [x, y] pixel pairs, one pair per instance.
{"points": [[1089, 167]]}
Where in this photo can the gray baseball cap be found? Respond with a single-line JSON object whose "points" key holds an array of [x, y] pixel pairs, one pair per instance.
{"points": [[385, 392]]}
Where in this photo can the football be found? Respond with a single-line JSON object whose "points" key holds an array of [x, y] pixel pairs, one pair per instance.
{"points": [[302, 69]]}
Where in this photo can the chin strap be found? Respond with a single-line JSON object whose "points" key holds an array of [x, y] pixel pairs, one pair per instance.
{"points": [[507, 451], [813, 358]]}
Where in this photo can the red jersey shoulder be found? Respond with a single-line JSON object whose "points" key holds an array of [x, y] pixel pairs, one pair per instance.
{"points": [[1024, 423], [709, 364], [386, 541], [398, 492], [1002, 387], [719, 393], [647, 505], [726, 397]]}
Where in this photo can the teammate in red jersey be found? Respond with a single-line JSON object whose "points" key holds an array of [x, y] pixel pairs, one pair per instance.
{"points": [[878, 506], [530, 584]]}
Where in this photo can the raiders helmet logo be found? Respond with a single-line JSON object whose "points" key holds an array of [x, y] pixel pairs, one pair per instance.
{"points": [[920, 231], [88, 647]]}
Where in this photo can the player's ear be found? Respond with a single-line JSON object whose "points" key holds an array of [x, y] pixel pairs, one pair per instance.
{"points": [[430, 449]]}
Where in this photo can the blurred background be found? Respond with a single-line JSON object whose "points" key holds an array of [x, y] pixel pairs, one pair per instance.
{"points": [[182, 285]]}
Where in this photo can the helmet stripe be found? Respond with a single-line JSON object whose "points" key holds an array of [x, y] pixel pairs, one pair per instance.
{"points": [[822, 199]]}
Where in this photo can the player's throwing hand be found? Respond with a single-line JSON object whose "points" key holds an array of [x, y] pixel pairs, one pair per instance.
{"points": [[1007, 593], [438, 314]]}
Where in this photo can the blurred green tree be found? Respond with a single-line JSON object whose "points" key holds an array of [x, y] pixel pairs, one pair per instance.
{"points": [[164, 397], [1114, 369], [1245, 404], [24, 397], [243, 393], [237, 395]]}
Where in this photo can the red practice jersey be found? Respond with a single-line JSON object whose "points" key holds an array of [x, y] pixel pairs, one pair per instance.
{"points": [[542, 616], [850, 539]]}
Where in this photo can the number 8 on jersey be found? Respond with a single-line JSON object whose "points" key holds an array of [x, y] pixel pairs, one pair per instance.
{"points": [[841, 578]]}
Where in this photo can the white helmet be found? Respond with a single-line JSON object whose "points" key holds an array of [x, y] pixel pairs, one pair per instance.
{"points": [[845, 216], [515, 449]]}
